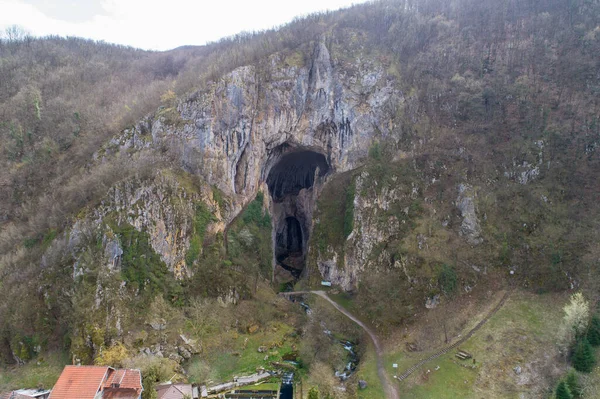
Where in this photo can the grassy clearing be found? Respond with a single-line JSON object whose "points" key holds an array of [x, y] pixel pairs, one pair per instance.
{"points": [[451, 380], [367, 370], [33, 375], [271, 386], [241, 356], [522, 333], [344, 300]]}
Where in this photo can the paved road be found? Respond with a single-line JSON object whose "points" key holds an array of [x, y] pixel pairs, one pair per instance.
{"points": [[390, 389]]}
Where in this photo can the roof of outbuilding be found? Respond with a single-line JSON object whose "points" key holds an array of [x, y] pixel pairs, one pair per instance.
{"points": [[174, 391]]}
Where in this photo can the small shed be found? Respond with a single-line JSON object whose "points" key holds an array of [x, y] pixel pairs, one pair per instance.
{"points": [[176, 391]]}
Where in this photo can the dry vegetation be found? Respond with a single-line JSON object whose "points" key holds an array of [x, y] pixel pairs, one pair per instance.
{"points": [[488, 87]]}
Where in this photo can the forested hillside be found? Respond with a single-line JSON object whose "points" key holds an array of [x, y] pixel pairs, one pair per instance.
{"points": [[461, 146]]}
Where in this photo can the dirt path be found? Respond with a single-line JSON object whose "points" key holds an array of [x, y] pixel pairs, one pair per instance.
{"points": [[457, 343], [390, 389]]}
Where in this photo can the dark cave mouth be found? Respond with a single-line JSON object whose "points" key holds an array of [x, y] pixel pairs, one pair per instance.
{"points": [[295, 171], [290, 247], [292, 211]]}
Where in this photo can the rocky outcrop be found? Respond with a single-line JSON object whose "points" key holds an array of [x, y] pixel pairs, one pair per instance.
{"points": [[162, 207], [236, 131], [374, 225], [465, 203]]}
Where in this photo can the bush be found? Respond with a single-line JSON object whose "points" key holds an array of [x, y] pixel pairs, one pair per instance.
{"points": [[202, 218], [349, 209], [254, 212], [573, 384], [447, 280], [112, 356], [583, 356], [375, 151], [593, 334], [313, 393], [562, 391]]}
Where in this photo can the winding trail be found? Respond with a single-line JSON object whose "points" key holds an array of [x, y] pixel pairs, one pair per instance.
{"points": [[390, 389]]}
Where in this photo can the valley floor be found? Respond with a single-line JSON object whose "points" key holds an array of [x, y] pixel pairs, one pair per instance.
{"points": [[515, 353]]}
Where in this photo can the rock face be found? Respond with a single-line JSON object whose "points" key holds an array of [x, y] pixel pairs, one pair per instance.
{"points": [[286, 129], [374, 225], [164, 209], [465, 203], [285, 125], [250, 119]]}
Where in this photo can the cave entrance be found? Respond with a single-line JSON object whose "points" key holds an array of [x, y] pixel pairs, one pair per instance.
{"points": [[291, 181], [293, 236]]}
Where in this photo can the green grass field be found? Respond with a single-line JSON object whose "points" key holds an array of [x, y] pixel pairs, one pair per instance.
{"points": [[34, 375], [242, 357], [367, 370], [522, 333]]}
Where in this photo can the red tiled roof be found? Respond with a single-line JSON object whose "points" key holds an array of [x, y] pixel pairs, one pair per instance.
{"points": [[127, 379], [120, 393], [123, 384], [83, 382], [79, 382]]}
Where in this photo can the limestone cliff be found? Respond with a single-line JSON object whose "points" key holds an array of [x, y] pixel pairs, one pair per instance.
{"points": [[238, 128]]}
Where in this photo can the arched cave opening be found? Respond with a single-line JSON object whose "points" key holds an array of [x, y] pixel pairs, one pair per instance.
{"points": [[291, 180], [294, 172]]}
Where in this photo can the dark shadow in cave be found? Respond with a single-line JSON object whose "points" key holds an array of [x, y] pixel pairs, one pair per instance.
{"points": [[290, 247], [294, 172], [294, 235], [292, 212]]}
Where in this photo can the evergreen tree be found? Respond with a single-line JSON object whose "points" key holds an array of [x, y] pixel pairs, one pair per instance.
{"points": [[583, 357], [593, 333], [573, 384], [562, 391]]}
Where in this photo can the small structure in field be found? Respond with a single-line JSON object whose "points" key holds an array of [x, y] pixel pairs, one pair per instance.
{"points": [[462, 355], [176, 391]]}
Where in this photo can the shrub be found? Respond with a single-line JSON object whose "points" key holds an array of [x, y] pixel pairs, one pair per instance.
{"points": [[447, 280], [254, 212], [593, 334], [562, 391], [572, 382], [202, 218], [575, 320], [583, 356], [112, 356]]}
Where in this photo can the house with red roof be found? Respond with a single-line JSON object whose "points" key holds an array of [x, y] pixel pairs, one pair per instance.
{"points": [[97, 382]]}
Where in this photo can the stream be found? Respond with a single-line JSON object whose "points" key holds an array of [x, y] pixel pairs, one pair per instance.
{"points": [[353, 358], [287, 386]]}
